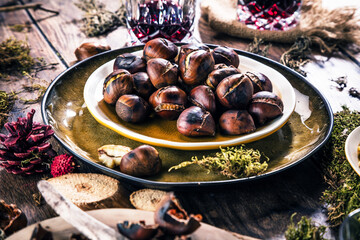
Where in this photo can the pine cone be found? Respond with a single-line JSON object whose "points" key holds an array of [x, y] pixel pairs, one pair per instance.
{"points": [[26, 147]]}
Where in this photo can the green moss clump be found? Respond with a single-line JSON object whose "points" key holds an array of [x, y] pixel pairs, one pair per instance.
{"points": [[305, 229]]}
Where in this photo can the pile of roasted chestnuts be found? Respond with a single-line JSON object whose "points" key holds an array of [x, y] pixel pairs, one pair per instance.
{"points": [[195, 85]]}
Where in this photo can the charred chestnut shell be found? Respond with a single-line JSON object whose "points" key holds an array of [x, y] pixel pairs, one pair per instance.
{"points": [[195, 122], [265, 106], [142, 84], [130, 62], [11, 218], [202, 96], [160, 48], [168, 102], [260, 81], [116, 84], [132, 108], [188, 48], [173, 219], [235, 91], [216, 76], [142, 161], [195, 66], [137, 231], [226, 55], [162, 72], [236, 122]]}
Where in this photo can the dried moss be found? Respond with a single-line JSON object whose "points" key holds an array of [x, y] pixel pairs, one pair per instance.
{"points": [[6, 103], [255, 47], [305, 229]]}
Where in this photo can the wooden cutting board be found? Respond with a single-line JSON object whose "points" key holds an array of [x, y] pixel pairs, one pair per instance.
{"points": [[111, 216]]}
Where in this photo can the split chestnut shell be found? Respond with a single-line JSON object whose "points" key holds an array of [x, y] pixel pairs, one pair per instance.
{"points": [[116, 84], [132, 108], [226, 55], [202, 96], [162, 72], [260, 81], [236, 122], [160, 48], [137, 231], [216, 76]]}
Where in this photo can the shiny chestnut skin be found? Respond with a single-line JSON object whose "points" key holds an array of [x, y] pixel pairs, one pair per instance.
{"points": [[188, 48], [218, 75], [195, 122], [195, 66], [202, 96], [226, 55], [132, 108], [260, 81], [137, 231], [235, 91], [173, 219], [89, 49], [160, 48], [130, 62], [116, 84], [236, 122], [265, 106], [162, 72], [168, 102], [142, 161], [142, 84], [12, 219]]}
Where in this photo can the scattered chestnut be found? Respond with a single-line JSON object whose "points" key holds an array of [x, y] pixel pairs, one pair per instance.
{"points": [[187, 48], [12, 218], [195, 121], [142, 84], [137, 231], [202, 96], [162, 72], [168, 102], [160, 48], [265, 106], [235, 91], [89, 49], [117, 83], [260, 81], [195, 66], [130, 62], [132, 108], [236, 122], [226, 55], [142, 161], [218, 75]]}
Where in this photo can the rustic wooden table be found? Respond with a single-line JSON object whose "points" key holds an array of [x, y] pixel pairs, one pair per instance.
{"points": [[260, 208]]}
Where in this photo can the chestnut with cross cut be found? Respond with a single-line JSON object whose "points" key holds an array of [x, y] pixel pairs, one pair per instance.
{"points": [[216, 76], [226, 55], [162, 72], [202, 96], [116, 84], [260, 81]]}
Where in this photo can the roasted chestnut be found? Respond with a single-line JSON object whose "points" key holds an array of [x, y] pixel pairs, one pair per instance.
{"points": [[89, 49], [260, 81], [160, 48], [116, 84], [12, 218], [173, 219], [235, 91], [130, 62], [202, 96], [142, 161], [226, 55], [132, 108], [142, 84], [195, 121], [187, 48], [265, 106], [195, 66], [236, 122], [162, 72], [137, 231], [218, 75], [168, 102]]}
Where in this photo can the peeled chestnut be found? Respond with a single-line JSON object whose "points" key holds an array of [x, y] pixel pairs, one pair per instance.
{"points": [[130, 62], [218, 75], [195, 66], [142, 84], [235, 91], [265, 106], [226, 55], [260, 81], [137, 231], [202, 96], [160, 48], [168, 102], [142, 161], [236, 122], [162, 72], [116, 84], [132, 108], [187, 48], [195, 121]]}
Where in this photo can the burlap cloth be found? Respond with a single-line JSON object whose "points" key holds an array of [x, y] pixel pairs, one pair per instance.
{"points": [[324, 27]]}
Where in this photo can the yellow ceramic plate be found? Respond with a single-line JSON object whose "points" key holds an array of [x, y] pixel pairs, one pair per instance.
{"points": [[163, 133], [351, 146]]}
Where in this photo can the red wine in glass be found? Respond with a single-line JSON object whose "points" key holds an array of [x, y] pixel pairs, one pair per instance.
{"points": [[160, 18], [268, 14]]}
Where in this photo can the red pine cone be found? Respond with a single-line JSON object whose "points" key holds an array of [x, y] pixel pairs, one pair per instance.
{"points": [[25, 149], [62, 164]]}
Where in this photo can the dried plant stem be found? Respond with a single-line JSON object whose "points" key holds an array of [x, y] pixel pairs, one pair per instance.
{"points": [[35, 6]]}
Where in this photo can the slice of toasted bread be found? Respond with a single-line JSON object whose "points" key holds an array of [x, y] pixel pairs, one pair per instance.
{"points": [[146, 199]]}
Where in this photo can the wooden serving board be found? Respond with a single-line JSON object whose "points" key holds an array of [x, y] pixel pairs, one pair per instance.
{"points": [[62, 230]]}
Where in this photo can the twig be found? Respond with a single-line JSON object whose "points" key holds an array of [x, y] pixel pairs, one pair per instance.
{"points": [[35, 6]]}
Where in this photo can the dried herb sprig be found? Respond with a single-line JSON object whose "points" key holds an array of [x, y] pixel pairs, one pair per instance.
{"points": [[98, 20], [232, 162], [297, 55], [305, 229], [37, 88], [254, 47], [6, 103]]}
